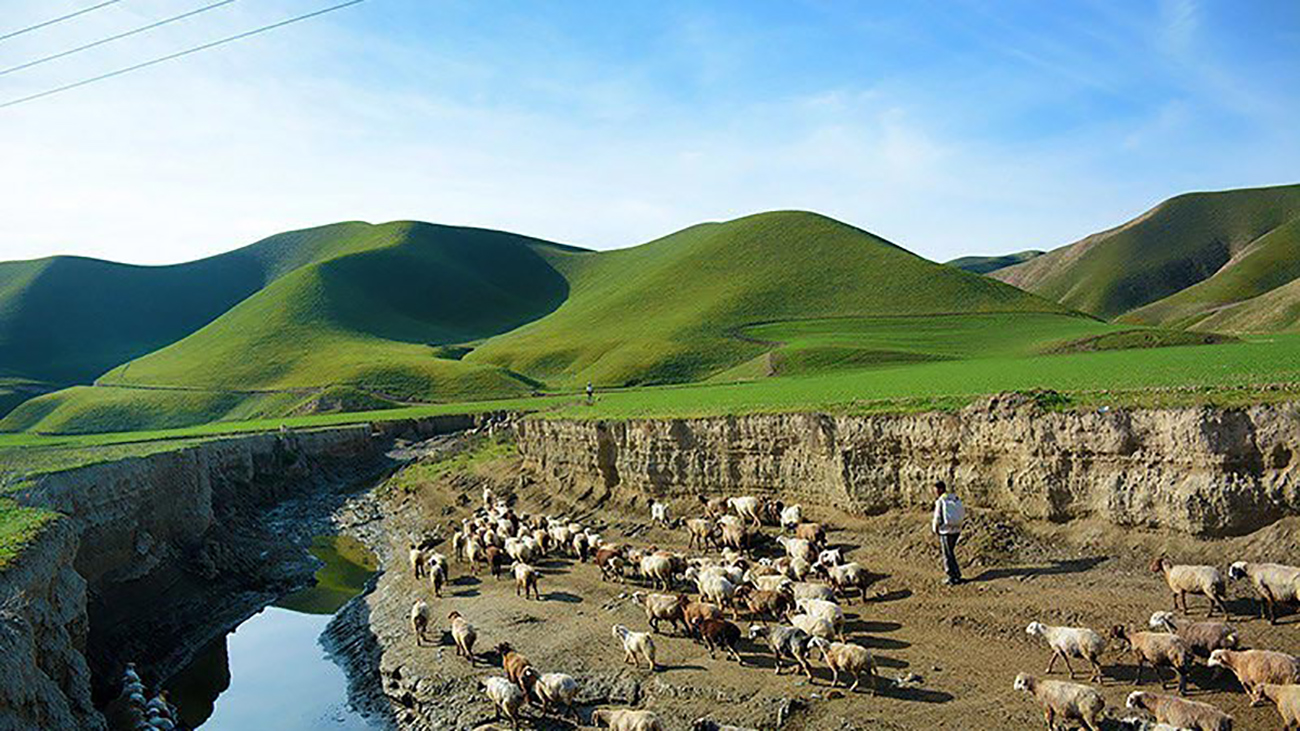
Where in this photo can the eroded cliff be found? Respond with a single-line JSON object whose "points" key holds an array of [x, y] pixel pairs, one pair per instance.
{"points": [[1205, 471]]}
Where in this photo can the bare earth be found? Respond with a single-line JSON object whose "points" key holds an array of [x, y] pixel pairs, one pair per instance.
{"points": [[966, 643]]}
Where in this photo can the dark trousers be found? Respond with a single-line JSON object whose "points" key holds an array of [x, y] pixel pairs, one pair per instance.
{"points": [[949, 543]]}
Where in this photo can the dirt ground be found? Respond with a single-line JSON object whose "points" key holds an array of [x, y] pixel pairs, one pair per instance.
{"points": [[966, 643]]}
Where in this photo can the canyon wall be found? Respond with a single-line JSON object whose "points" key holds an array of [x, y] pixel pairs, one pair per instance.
{"points": [[155, 548], [1206, 471]]}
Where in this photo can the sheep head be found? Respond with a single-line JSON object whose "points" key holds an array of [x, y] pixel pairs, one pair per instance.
{"points": [[1237, 570], [1218, 658], [756, 631], [1136, 699], [1035, 629], [1162, 620], [1024, 682]]}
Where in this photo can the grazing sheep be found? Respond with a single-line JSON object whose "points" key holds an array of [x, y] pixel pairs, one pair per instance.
{"points": [[717, 590], [717, 633], [848, 658], [829, 557], [1275, 584], [1059, 698], [791, 516], [795, 569], [774, 582], [797, 548], [807, 590], [1184, 580], [512, 662], [551, 691], [701, 532], [624, 719], [814, 533], [764, 604], [849, 576], [637, 646], [463, 634], [1254, 668], [610, 561], [420, 618], [1068, 642], [734, 535], [526, 580], [1157, 648], [785, 641], [830, 611], [1202, 637], [693, 612], [660, 568], [706, 724], [714, 507], [417, 561], [506, 698], [1287, 700], [816, 626], [495, 559], [436, 567], [661, 608], [659, 514], [1180, 712], [747, 508]]}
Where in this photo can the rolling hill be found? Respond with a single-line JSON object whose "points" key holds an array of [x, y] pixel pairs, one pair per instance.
{"points": [[668, 311], [1204, 261], [986, 264]]}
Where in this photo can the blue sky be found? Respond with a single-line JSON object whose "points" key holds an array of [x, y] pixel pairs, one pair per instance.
{"points": [[948, 127]]}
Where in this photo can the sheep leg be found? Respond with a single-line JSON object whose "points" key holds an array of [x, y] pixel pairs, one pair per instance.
{"points": [[1051, 663], [1050, 715], [835, 676], [731, 651], [1138, 680], [777, 657], [1182, 681], [1097, 675], [1066, 658]]}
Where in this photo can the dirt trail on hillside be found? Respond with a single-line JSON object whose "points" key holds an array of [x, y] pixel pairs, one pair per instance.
{"points": [[966, 644]]}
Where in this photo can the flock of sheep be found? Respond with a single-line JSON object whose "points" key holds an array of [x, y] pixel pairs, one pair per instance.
{"points": [[793, 601], [1265, 675]]}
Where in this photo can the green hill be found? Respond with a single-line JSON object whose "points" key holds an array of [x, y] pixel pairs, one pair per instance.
{"points": [[1182, 262], [986, 264], [667, 311]]}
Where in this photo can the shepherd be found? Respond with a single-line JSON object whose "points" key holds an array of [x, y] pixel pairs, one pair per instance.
{"points": [[946, 523]]}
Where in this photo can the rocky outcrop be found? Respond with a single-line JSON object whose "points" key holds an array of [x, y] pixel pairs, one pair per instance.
{"points": [[1206, 471], [43, 624]]}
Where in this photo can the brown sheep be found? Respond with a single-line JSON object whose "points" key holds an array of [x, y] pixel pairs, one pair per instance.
{"points": [[513, 663], [610, 560], [695, 611], [1179, 712], [526, 578], [714, 507], [702, 533], [719, 633], [1184, 580], [1159, 649], [814, 533], [662, 608], [1254, 668], [495, 560], [1287, 700], [763, 604]]}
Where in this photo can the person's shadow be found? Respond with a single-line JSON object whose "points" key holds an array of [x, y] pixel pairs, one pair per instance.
{"points": [[1068, 566]]}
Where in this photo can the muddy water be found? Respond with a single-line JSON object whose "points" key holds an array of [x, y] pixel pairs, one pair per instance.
{"points": [[270, 672]]}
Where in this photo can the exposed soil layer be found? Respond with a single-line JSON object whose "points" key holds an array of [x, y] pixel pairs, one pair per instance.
{"points": [[963, 645]]}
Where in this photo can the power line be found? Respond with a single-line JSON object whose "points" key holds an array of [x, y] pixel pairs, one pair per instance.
{"points": [[178, 54], [117, 37], [60, 19]]}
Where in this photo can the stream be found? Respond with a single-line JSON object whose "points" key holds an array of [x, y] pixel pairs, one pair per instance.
{"points": [[271, 672]]}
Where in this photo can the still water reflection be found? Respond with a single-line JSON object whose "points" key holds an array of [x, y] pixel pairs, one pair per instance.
{"points": [[271, 672]]}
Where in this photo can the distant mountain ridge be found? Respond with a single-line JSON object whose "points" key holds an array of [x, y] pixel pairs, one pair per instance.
{"points": [[986, 264], [1209, 261]]}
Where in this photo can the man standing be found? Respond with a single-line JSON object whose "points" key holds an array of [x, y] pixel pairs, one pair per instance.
{"points": [[948, 515]]}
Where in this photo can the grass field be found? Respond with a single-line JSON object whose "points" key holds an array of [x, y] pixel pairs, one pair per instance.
{"points": [[20, 525]]}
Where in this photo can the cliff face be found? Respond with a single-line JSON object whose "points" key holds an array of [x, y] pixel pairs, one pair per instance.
{"points": [[43, 624], [1205, 471], [170, 546]]}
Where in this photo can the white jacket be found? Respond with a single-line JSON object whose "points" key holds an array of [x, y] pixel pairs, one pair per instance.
{"points": [[948, 514]]}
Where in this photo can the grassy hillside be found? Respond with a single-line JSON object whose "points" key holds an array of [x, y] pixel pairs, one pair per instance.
{"points": [[373, 318], [667, 311], [1177, 262], [986, 264]]}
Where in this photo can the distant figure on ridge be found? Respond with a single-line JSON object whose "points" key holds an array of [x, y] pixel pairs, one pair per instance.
{"points": [[591, 394], [946, 523]]}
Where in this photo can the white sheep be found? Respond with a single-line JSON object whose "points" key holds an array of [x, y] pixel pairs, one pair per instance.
{"points": [[659, 569], [637, 646], [659, 513], [797, 548], [849, 658], [815, 626], [830, 611], [506, 698], [463, 634], [526, 578], [551, 691], [1180, 712], [624, 719], [1068, 642], [791, 516], [808, 590], [747, 507], [1069, 700], [1275, 584], [1186, 579]]}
